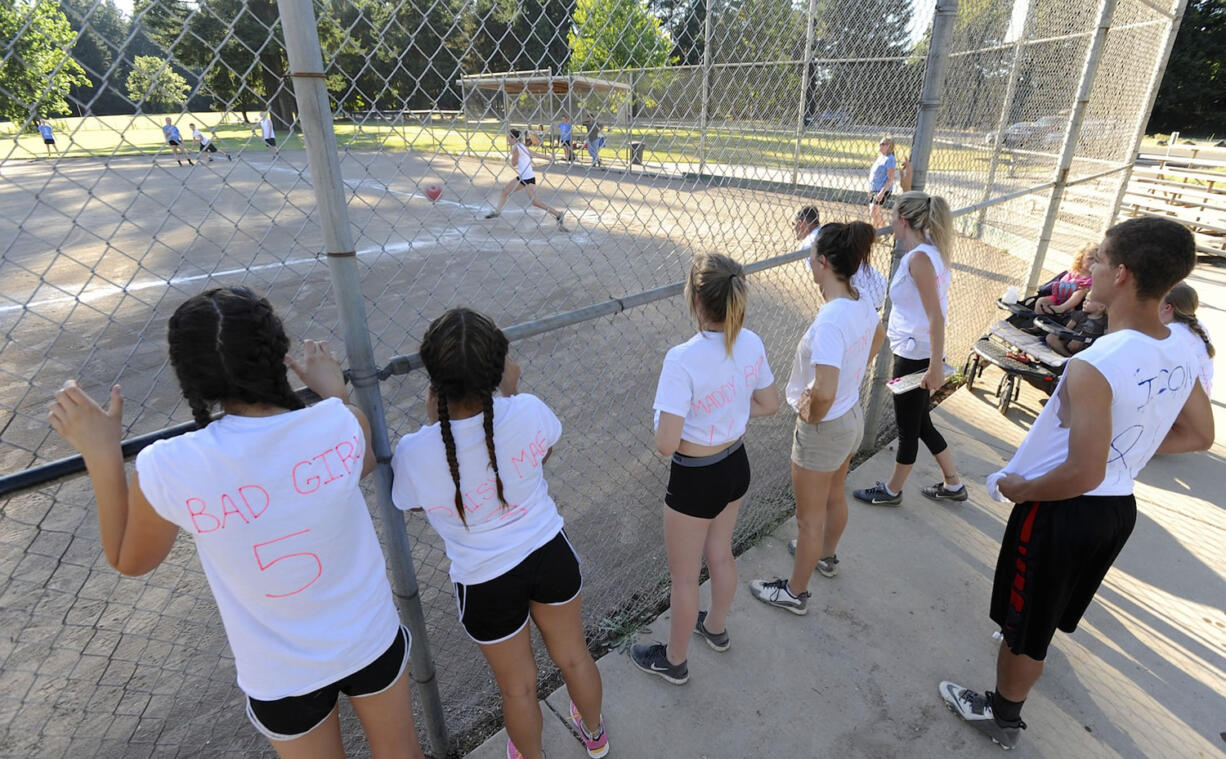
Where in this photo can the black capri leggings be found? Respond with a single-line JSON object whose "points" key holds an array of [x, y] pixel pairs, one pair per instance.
{"points": [[911, 413]]}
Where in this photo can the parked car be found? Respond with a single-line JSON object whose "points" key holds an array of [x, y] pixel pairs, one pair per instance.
{"points": [[1015, 135], [831, 119]]}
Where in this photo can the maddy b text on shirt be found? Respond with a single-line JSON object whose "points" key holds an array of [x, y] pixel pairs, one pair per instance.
{"points": [[724, 395], [485, 494], [249, 502]]}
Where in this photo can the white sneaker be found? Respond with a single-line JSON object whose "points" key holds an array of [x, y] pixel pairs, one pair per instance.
{"points": [[976, 709], [775, 592]]}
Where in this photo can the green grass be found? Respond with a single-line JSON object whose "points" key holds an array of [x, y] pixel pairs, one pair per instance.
{"points": [[98, 136]]}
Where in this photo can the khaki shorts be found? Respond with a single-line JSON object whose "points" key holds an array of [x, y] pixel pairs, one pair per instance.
{"points": [[823, 447]]}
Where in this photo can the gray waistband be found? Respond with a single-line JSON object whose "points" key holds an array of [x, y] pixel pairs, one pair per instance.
{"points": [[714, 458]]}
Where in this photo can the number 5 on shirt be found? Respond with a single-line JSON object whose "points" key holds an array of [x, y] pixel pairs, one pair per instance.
{"points": [[319, 567]]}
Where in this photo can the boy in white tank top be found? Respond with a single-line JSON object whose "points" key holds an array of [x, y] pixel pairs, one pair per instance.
{"points": [[1072, 477]]}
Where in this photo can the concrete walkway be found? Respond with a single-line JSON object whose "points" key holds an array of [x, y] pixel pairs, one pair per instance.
{"points": [[1143, 676]]}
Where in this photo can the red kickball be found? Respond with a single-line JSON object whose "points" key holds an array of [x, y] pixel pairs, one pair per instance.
{"points": [[434, 192]]}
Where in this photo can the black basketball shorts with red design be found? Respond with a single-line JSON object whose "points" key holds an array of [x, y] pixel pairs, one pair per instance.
{"points": [[1053, 557]]}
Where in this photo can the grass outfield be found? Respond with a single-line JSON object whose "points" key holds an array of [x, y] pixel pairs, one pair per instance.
{"points": [[100, 136]]}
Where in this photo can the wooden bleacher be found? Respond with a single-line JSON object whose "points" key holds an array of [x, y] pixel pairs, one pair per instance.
{"points": [[1190, 190]]}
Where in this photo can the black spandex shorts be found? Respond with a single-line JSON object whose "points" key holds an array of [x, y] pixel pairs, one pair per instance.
{"points": [[48, 142], [295, 716], [1052, 559], [526, 182], [566, 142], [885, 199], [497, 609], [210, 148], [173, 143], [270, 142], [703, 486]]}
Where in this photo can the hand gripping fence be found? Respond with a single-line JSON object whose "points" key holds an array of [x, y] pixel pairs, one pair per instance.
{"points": [[688, 127]]}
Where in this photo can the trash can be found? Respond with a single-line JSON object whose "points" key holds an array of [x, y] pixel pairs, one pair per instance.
{"points": [[636, 153]]}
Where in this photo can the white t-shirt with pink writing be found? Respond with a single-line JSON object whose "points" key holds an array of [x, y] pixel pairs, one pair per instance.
{"points": [[840, 336], [497, 537], [285, 540], [711, 389]]}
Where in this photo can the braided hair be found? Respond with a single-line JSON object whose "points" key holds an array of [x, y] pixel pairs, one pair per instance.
{"points": [[227, 344], [464, 353], [1184, 301]]}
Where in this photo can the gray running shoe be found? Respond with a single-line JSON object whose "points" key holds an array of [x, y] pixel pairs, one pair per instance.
{"points": [[827, 565], [560, 216], [775, 592], [877, 495], [939, 492], [976, 709], [719, 642], [653, 659]]}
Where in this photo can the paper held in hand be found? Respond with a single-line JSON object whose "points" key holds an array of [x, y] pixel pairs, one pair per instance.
{"points": [[909, 382]]}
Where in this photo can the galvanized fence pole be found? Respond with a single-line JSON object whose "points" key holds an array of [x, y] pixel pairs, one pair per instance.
{"points": [[1071, 136], [1005, 109], [921, 152], [306, 68], [1155, 82], [704, 105], [806, 72]]}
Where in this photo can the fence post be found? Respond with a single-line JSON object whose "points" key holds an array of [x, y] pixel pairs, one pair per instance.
{"points": [[1005, 108], [804, 91], [306, 69], [921, 152], [1155, 83], [704, 114], [1071, 135]]}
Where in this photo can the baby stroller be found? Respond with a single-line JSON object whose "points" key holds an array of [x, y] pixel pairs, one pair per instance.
{"points": [[1017, 345]]}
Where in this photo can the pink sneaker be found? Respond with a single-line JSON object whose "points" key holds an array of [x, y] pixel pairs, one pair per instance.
{"points": [[597, 745], [512, 752]]}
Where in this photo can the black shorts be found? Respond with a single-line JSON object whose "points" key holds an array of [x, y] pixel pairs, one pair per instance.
{"points": [[528, 181], [1052, 559], [173, 143], [48, 141], [497, 609], [295, 716], [209, 148], [567, 143], [270, 142], [885, 199], [703, 487]]}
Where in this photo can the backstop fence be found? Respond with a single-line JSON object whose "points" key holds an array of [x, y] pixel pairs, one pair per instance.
{"points": [[714, 122]]}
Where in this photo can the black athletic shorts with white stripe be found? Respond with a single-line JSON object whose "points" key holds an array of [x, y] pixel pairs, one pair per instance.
{"points": [[1053, 557], [497, 609]]}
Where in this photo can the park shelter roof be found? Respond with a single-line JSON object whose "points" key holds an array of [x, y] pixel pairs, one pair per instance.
{"points": [[541, 82]]}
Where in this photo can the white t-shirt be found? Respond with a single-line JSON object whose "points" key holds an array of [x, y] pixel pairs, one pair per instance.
{"points": [[523, 162], [1150, 383], [266, 129], [1199, 350], [285, 540], [711, 389], [198, 135], [867, 280], [908, 327], [497, 537], [840, 336]]}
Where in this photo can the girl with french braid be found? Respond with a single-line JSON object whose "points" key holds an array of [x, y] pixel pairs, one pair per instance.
{"points": [[1179, 313], [476, 470], [269, 492]]}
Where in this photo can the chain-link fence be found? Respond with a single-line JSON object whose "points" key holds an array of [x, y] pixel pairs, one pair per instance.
{"points": [[718, 120]]}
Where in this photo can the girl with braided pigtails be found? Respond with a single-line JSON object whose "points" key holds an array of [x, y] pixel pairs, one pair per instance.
{"points": [[476, 470], [270, 494]]}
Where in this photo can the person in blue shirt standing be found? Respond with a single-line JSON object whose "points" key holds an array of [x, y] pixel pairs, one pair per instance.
{"points": [[48, 138], [881, 181], [175, 141], [564, 133]]}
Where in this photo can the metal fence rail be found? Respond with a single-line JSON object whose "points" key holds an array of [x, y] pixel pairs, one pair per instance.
{"points": [[1024, 115]]}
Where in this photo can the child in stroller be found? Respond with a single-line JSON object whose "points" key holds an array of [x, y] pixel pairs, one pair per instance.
{"points": [[1088, 321], [1067, 291]]}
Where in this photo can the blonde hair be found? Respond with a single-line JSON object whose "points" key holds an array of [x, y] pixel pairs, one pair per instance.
{"points": [[716, 289], [1083, 254], [890, 143], [930, 216], [1184, 301]]}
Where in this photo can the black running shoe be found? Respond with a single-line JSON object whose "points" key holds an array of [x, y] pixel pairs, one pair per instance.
{"points": [[653, 659], [877, 495], [939, 492], [976, 709]]}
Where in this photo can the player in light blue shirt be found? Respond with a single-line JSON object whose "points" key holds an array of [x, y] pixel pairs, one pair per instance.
{"points": [[564, 133], [175, 141], [881, 181], [48, 137]]}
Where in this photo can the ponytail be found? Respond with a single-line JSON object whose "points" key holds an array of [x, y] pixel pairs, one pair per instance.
{"points": [[1184, 300], [716, 289], [845, 246], [930, 216]]}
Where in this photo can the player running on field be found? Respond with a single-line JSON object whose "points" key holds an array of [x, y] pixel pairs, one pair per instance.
{"points": [[525, 178], [206, 144], [175, 141]]}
